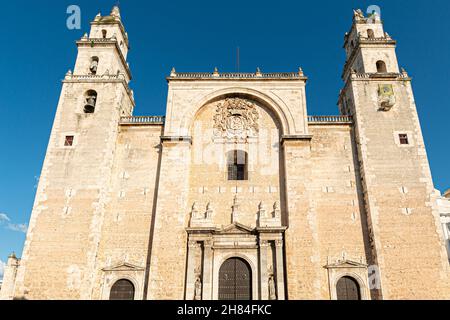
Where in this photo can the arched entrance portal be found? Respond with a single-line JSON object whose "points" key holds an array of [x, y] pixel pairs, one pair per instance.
{"points": [[235, 280]]}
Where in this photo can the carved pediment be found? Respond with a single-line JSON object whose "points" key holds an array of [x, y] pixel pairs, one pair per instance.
{"points": [[123, 267], [236, 228], [346, 264]]}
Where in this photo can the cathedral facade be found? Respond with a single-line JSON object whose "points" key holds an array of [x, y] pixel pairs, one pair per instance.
{"points": [[237, 193]]}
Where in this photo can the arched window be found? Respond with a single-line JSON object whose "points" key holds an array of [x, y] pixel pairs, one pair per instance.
{"points": [[91, 101], [370, 34], [381, 67], [347, 288], [94, 65], [237, 161], [104, 33], [122, 290]]}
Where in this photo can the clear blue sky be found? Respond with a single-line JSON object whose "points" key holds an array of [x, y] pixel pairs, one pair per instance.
{"points": [[37, 50]]}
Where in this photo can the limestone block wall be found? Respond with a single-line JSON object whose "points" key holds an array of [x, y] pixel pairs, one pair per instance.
{"points": [[403, 218], [125, 233], [169, 247], [326, 222], [336, 200], [62, 241]]}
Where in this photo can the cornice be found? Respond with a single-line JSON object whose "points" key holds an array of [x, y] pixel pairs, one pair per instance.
{"points": [[119, 78]]}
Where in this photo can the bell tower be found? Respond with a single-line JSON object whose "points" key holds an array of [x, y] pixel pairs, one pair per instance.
{"points": [[73, 189], [396, 184]]}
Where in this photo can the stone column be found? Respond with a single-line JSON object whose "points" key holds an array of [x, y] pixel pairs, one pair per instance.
{"points": [[280, 270], [190, 274], [263, 245], [207, 270]]}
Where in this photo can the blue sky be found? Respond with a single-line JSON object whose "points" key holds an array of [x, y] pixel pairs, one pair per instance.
{"points": [[38, 49]]}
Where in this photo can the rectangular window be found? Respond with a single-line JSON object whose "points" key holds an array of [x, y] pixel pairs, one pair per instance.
{"points": [[69, 141], [237, 165], [403, 139]]}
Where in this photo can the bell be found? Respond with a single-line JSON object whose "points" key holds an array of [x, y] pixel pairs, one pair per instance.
{"points": [[90, 105], [94, 66]]}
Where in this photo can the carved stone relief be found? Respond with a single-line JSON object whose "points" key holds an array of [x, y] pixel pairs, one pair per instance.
{"points": [[236, 119]]}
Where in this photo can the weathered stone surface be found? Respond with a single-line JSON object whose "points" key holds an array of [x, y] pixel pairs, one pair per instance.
{"points": [[151, 201]]}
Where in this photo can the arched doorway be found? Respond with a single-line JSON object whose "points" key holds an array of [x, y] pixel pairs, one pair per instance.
{"points": [[235, 280], [122, 290], [348, 288]]}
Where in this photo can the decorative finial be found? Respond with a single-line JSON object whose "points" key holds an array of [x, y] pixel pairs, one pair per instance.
{"points": [[12, 256], [300, 72], [209, 211], [276, 206], [258, 72], [235, 201], [173, 73], [276, 210], [115, 12], [216, 72], [69, 74]]}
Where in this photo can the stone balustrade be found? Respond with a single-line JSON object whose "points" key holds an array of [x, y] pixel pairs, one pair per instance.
{"points": [[330, 119], [143, 120]]}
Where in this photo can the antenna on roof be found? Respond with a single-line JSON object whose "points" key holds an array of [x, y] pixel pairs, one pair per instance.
{"points": [[238, 59]]}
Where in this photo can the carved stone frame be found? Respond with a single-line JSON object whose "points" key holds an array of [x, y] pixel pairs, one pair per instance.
{"points": [[123, 271], [348, 268]]}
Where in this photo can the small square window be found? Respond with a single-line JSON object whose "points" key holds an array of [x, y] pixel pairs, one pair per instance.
{"points": [[403, 139], [69, 141]]}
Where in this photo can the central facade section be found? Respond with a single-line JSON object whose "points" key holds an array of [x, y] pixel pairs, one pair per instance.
{"points": [[235, 233]]}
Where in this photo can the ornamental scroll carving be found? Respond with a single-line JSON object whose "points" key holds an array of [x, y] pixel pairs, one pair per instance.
{"points": [[236, 119]]}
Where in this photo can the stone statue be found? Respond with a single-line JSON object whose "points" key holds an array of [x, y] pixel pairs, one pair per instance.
{"points": [[272, 289], [198, 289]]}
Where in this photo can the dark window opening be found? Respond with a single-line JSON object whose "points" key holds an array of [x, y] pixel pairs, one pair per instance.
{"points": [[381, 67], [404, 139], [122, 290], [94, 65], [104, 33], [237, 165], [347, 288], [91, 101], [370, 34], [69, 141]]}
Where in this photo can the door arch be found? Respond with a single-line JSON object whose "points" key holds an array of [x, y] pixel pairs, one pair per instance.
{"points": [[235, 280]]}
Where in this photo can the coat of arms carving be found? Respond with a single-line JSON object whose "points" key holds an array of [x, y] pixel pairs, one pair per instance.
{"points": [[237, 119]]}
